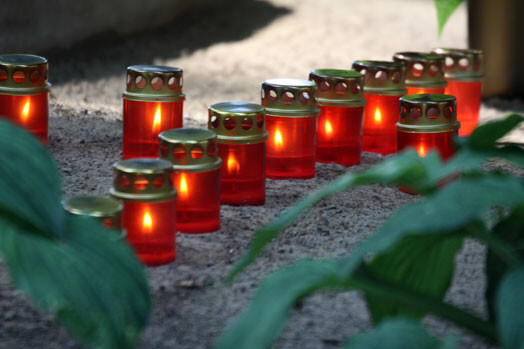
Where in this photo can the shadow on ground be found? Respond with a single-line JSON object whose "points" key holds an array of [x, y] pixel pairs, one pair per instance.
{"points": [[221, 22]]}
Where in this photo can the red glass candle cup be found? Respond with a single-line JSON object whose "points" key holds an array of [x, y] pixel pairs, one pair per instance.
{"points": [[153, 103], [107, 211], [241, 138], [424, 72], [464, 72], [428, 122], [383, 86], [194, 155], [149, 199], [291, 121], [339, 128], [24, 92]]}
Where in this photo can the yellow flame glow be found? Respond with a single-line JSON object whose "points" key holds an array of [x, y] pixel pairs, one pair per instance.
{"points": [[25, 110], [378, 115], [278, 139], [147, 221], [182, 186], [232, 164], [422, 152], [329, 128], [157, 120]]}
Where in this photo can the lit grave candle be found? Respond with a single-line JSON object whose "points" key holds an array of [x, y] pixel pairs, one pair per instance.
{"points": [[339, 130], [424, 72], [196, 176], [383, 86], [145, 187], [241, 137], [24, 92], [464, 72], [291, 121], [153, 103]]}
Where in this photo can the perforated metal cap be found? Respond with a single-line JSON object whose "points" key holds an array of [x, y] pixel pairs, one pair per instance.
{"points": [[382, 78], [462, 64], [104, 209], [143, 179], [190, 149], [428, 113], [422, 69], [290, 97], [23, 74], [338, 88], [238, 122], [154, 83]]}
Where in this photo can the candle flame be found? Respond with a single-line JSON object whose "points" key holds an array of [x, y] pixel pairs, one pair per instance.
{"points": [[158, 119], [147, 221], [232, 164], [25, 110], [329, 128], [422, 151], [182, 187], [278, 139], [378, 115]]}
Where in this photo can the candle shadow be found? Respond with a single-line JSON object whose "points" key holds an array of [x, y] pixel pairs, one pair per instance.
{"points": [[109, 53]]}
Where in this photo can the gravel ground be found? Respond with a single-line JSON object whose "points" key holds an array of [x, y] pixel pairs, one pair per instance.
{"points": [[226, 52]]}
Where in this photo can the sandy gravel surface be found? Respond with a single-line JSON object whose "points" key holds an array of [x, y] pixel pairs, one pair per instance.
{"points": [[226, 52]]}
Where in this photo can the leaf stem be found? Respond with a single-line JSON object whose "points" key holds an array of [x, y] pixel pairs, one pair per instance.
{"points": [[363, 281]]}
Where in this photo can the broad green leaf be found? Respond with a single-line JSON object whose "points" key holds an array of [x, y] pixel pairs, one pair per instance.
{"points": [[509, 306], [445, 9], [396, 333], [262, 322], [93, 284], [420, 263], [423, 175], [30, 182], [510, 230]]}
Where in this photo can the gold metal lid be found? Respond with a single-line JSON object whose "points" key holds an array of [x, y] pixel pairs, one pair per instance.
{"points": [[422, 69], [102, 208], [143, 179], [238, 122], [154, 83], [382, 78], [190, 149], [338, 88], [428, 113], [462, 64], [290, 97], [23, 74]]}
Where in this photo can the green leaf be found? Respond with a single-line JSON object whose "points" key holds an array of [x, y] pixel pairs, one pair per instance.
{"points": [[397, 333], [93, 284], [484, 137], [262, 322], [30, 182], [445, 9], [509, 306], [510, 230], [419, 263]]}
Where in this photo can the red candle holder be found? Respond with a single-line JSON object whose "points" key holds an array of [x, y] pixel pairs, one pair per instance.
{"points": [[291, 121], [107, 211], [24, 92], [383, 86], [339, 131], [153, 103], [241, 137], [196, 176], [424, 72], [464, 72], [145, 187]]}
